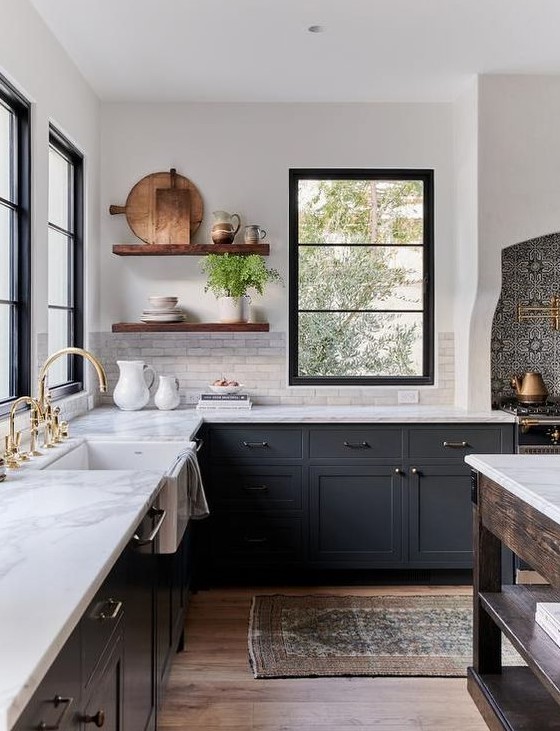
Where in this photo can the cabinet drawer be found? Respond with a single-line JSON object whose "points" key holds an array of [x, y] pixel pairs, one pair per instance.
{"points": [[55, 703], [355, 443], [100, 621], [257, 539], [453, 442], [256, 488], [258, 443]]}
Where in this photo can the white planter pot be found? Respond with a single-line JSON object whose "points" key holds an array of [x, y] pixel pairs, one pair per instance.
{"points": [[231, 309]]}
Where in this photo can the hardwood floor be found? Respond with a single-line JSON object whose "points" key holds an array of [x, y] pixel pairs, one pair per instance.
{"points": [[211, 685]]}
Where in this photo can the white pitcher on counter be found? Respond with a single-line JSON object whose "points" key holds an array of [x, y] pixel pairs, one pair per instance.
{"points": [[132, 392], [167, 396]]}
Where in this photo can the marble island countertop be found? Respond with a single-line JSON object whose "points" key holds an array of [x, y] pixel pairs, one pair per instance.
{"points": [[534, 478], [151, 422], [62, 532]]}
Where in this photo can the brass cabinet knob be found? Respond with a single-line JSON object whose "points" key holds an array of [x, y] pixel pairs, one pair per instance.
{"points": [[415, 471], [98, 719], [398, 471]]}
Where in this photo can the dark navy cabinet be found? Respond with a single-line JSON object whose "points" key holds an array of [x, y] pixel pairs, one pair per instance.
{"points": [[341, 496], [356, 516]]}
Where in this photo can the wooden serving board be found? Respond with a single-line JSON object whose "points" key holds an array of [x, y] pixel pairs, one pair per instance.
{"points": [[159, 212]]}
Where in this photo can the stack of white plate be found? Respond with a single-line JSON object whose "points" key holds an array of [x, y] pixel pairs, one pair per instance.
{"points": [[162, 309]]}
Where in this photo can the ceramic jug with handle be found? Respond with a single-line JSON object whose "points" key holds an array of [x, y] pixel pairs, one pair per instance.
{"points": [[167, 396], [223, 227], [132, 392]]}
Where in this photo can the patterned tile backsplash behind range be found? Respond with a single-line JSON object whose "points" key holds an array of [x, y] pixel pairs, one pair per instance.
{"points": [[530, 276], [258, 360]]}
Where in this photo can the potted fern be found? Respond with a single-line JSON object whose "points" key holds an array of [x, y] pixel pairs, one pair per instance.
{"points": [[230, 276]]}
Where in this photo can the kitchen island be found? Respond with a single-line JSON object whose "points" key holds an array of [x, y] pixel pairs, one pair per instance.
{"points": [[516, 502]]}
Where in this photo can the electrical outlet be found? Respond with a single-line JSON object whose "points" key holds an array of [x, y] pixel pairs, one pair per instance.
{"points": [[191, 398], [407, 397]]}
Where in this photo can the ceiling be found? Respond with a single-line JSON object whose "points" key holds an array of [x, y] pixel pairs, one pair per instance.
{"points": [[261, 50]]}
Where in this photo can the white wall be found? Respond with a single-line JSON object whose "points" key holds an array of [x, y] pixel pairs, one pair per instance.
{"points": [[518, 192], [466, 229], [239, 155], [32, 59]]}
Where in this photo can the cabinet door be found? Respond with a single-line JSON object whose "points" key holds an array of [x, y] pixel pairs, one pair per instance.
{"points": [[356, 516], [440, 516], [105, 705]]}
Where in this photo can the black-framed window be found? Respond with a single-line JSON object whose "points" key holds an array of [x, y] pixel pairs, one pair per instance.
{"points": [[361, 277], [65, 262], [15, 246]]}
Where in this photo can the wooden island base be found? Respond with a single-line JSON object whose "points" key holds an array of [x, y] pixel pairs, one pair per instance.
{"points": [[524, 698]]}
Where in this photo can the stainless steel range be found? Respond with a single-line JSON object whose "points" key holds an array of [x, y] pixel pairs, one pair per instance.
{"points": [[538, 426]]}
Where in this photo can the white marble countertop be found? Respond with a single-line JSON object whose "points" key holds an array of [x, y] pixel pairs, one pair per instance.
{"points": [[62, 532], [151, 422], [535, 478]]}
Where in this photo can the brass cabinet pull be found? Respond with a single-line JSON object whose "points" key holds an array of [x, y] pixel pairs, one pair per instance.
{"points": [[58, 700], [110, 610], [456, 445], [199, 443], [357, 445], [151, 538], [97, 719], [255, 488], [255, 540], [255, 445]]}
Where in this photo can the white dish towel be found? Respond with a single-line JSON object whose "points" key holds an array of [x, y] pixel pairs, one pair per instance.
{"points": [[181, 496]]}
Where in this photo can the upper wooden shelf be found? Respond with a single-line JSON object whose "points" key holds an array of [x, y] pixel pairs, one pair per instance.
{"points": [[189, 327], [189, 250]]}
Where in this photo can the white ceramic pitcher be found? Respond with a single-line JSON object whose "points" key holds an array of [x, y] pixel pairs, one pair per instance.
{"points": [[132, 392], [167, 396]]}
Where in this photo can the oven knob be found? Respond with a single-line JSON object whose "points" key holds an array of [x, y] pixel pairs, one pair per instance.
{"points": [[554, 435]]}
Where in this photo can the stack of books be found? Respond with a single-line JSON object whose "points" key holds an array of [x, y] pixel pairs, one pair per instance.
{"points": [[547, 617], [224, 401]]}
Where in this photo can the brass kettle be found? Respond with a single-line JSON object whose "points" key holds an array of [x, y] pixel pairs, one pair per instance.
{"points": [[530, 388]]}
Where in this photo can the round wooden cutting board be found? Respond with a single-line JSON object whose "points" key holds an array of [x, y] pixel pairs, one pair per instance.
{"points": [[141, 210]]}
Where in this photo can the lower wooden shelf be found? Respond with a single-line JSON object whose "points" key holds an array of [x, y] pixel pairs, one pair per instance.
{"points": [[514, 700], [190, 327], [513, 610]]}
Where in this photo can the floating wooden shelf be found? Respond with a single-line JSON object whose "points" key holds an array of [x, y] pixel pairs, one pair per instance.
{"points": [[189, 250], [190, 327]]}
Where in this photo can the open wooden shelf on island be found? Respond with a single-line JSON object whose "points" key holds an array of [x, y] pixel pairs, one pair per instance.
{"points": [[189, 249], [190, 327]]}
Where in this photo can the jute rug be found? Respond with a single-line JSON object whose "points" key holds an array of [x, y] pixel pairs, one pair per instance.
{"points": [[310, 636]]}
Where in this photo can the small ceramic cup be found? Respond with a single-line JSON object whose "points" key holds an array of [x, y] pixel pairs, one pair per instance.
{"points": [[253, 234]]}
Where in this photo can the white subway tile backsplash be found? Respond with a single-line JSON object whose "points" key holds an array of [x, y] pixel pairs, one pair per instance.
{"points": [[258, 360]]}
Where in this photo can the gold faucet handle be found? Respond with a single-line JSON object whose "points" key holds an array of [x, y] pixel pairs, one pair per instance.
{"points": [[64, 429], [11, 456], [22, 456]]}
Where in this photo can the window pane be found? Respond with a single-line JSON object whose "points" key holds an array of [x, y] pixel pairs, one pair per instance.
{"points": [[6, 222], [58, 338], [6, 142], [360, 344], [59, 270], [360, 278], [360, 211], [59, 190], [5, 352]]}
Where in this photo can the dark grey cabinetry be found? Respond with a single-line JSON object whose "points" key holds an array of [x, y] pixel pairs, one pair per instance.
{"points": [[111, 671], [440, 519], [342, 496], [356, 515]]}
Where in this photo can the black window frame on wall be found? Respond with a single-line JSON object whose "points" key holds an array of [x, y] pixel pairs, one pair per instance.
{"points": [[20, 245], [428, 340], [75, 262]]}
